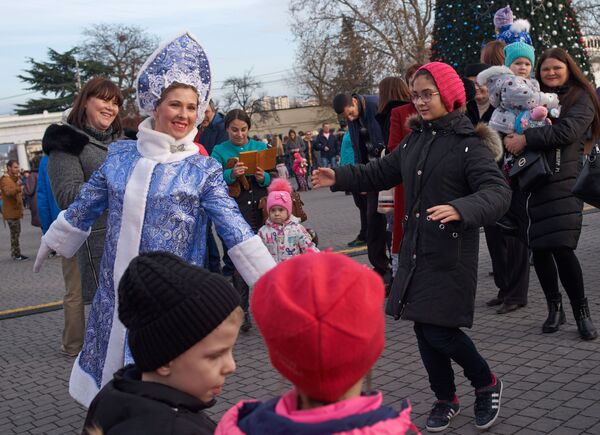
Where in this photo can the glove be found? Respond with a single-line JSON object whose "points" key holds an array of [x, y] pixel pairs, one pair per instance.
{"points": [[41, 257]]}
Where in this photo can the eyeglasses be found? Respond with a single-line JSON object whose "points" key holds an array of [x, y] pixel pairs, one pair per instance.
{"points": [[425, 96]]}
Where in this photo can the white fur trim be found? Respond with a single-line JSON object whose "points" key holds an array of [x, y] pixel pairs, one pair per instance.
{"points": [[128, 246], [156, 146], [251, 259], [491, 73], [82, 387], [64, 238], [520, 26]]}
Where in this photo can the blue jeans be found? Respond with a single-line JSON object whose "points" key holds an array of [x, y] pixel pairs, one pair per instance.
{"points": [[328, 162], [439, 346]]}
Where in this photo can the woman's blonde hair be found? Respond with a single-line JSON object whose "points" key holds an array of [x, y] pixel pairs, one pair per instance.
{"points": [[278, 145]]}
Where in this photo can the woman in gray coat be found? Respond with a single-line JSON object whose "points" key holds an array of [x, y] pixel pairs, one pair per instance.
{"points": [[75, 149]]}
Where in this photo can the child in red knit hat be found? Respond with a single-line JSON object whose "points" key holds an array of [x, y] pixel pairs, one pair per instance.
{"points": [[452, 187], [282, 233], [324, 330]]}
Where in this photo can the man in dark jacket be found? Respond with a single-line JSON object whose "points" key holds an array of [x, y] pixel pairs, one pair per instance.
{"points": [[479, 108], [211, 131], [178, 317], [327, 143], [368, 143]]}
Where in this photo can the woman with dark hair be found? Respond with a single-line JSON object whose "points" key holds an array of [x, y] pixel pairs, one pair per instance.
{"points": [[247, 189], [393, 92], [294, 144], [554, 213], [398, 130], [492, 53], [159, 193], [75, 149]]}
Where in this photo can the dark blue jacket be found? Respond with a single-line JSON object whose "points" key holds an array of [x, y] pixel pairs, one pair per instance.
{"points": [[371, 130], [260, 418], [214, 134], [47, 207], [331, 143]]}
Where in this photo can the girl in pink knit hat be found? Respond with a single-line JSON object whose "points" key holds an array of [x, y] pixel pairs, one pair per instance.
{"points": [[282, 233], [452, 187]]}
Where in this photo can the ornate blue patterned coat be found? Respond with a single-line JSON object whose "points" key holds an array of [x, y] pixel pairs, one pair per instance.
{"points": [[159, 194]]}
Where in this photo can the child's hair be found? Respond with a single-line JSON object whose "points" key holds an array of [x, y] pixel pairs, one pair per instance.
{"points": [[324, 330], [492, 53]]}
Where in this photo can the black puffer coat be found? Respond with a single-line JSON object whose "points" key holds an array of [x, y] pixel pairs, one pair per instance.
{"points": [[445, 161], [555, 215], [128, 405]]}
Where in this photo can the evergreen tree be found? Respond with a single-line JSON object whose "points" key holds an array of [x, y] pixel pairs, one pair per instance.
{"points": [[354, 68], [58, 78], [462, 27]]}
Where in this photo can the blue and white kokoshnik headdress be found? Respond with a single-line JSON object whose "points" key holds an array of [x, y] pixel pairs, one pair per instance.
{"points": [[181, 60]]}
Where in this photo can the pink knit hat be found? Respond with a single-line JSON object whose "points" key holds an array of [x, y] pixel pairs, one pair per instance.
{"points": [[280, 194], [451, 87]]}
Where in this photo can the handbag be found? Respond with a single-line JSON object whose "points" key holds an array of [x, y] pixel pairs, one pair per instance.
{"points": [[587, 186], [531, 169]]}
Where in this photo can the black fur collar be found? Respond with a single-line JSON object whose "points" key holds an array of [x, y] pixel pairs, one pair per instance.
{"points": [[61, 137]]}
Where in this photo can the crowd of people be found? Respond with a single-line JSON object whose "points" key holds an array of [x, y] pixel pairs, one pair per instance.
{"points": [[133, 218]]}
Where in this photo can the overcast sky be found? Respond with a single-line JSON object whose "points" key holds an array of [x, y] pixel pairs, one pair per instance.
{"points": [[237, 35]]}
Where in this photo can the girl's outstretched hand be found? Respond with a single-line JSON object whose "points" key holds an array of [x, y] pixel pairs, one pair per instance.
{"points": [[444, 213], [323, 177]]}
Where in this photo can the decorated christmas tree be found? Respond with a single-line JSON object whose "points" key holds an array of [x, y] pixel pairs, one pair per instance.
{"points": [[462, 27]]}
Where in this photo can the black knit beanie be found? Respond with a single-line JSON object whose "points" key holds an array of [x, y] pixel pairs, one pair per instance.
{"points": [[169, 305]]}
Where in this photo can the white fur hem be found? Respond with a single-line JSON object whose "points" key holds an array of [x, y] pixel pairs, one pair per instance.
{"points": [[251, 259], [64, 238], [82, 387]]}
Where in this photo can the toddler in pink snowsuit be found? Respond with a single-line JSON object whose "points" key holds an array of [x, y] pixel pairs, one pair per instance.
{"points": [[282, 233]]}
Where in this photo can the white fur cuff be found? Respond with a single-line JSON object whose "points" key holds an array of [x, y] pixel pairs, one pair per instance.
{"points": [[251, 259], [64, 238]]}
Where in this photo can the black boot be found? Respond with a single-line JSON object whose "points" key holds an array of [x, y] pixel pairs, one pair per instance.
{"points": [[556, 315], [581, 311]]}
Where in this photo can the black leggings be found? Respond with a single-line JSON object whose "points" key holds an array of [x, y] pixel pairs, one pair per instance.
{"points": [[550, 264]]}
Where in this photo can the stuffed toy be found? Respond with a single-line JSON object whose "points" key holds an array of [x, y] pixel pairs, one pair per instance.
{"points": [[240, 183]]}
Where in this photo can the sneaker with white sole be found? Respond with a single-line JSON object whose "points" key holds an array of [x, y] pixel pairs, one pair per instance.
{"points": [[487, 405], [441, 414]]}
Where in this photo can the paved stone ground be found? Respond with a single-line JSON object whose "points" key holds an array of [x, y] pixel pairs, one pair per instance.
{"points": [[552, 382]]}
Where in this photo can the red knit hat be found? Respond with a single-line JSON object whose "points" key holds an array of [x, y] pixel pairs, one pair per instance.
{"points": [[451, 87], [324, 329]]}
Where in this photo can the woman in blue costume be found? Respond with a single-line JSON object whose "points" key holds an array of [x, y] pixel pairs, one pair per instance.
{"points": [[159, 193]]}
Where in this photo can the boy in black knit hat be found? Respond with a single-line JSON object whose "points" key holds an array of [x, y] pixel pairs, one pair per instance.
{"points": [[182, 323]]}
